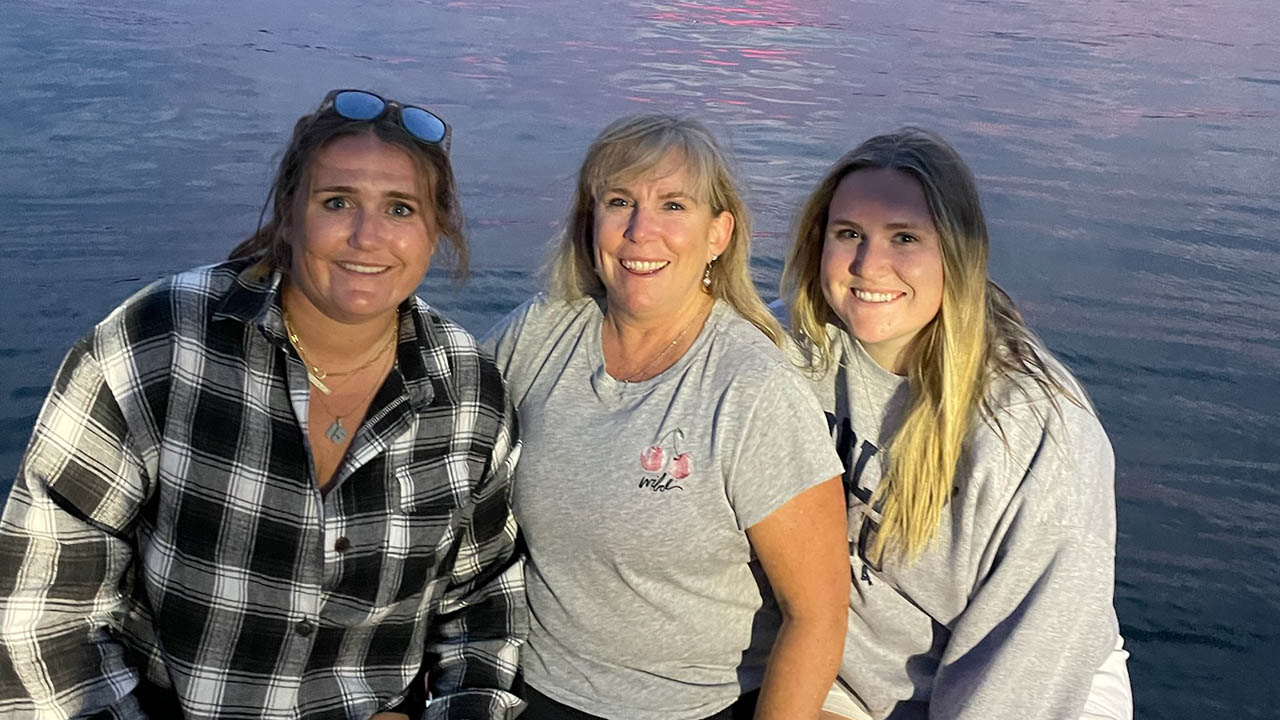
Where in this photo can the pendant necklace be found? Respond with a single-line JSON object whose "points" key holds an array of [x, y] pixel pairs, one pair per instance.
{"points": [[336, 433], [636, 376]]}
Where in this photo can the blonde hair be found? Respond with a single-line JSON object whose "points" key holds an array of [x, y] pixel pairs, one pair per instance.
{"points": [[632, 147], [976, 337]]}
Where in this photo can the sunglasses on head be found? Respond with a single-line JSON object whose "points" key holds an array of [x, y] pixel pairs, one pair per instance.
{"points": [[422, 124]]}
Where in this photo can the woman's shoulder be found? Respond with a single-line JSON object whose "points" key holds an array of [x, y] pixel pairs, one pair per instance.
{"points": [[744, 350], [1042, 398], [191, 297], [749, 371], [449, 353], [442, 331], [1044, 439], [217, 279], [543, 313], [546, 308], [137, 338], [541, 328]]}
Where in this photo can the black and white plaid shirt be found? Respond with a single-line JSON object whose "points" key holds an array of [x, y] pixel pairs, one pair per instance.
{"points": [[165, 541]]}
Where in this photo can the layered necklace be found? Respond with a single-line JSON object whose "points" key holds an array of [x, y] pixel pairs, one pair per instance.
{"points": [[336, 432]]}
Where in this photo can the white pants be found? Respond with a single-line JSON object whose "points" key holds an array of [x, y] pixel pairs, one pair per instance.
{"points": [[839, 702]]}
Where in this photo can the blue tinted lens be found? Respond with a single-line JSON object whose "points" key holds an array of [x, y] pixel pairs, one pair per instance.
{"points": [[422, 124], [356, 105]]}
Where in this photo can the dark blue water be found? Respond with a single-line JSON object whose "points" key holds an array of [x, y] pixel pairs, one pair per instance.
{"points": [[1129, 153]]}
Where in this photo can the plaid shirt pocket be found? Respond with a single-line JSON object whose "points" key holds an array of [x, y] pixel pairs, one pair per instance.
{"points": [[419, 531]]}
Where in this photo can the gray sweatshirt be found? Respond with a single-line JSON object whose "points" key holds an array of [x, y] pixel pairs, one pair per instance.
{"points": [[1008, 612]]}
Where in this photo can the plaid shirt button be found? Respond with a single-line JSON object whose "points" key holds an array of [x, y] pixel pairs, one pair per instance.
{"points": [[304, 628], [342, 544]]}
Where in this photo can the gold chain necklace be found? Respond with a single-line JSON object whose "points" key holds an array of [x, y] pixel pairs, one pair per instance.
{"points": [[636, 376], [336, 433], [316, 375]]}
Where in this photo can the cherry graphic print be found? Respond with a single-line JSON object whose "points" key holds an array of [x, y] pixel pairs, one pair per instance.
{"points": [[681, 466], [653, 458]]}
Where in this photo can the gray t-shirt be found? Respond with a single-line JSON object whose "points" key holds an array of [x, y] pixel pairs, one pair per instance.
{"points": [[1008, 612], [634, 499]]}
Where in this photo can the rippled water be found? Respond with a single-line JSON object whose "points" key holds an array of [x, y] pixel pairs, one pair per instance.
{"points": [[1128, 153]]}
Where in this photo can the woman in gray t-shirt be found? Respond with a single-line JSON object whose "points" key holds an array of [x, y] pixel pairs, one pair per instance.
{"points": [[667, 442], [980, 482]]}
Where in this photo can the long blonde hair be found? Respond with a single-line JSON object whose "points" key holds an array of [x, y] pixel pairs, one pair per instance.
{"points": [[977, 336], [629, 148]]}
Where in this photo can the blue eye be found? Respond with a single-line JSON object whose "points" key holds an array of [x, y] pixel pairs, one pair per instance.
{"points": [[615, 202], [673, 205], [847, 234], [336, 203], [402, 210], [904, 238]]}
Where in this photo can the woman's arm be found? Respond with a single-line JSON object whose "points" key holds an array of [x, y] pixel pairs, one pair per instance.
{"points": [[481, 619], [803, 549], [1040, 622], [66, 536]]}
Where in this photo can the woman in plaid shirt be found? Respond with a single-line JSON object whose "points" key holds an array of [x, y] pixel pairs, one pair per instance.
{"points": [[277, 487]]}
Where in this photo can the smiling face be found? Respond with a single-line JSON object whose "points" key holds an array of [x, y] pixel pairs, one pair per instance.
{"points": [[367, 230], [653, 238], [882, 261]]}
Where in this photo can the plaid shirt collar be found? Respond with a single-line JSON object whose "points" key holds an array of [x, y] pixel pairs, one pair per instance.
{"points": [[254, 299]]}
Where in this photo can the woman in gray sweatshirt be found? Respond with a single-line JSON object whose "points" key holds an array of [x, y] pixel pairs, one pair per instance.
{"points": [[980, 482]]}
